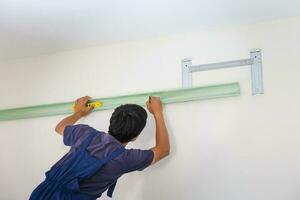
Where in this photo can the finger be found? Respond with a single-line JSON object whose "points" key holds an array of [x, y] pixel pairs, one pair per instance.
{"points": [[91, 108], [86, 99], [88, 109], [78, 99], [156, 98]]}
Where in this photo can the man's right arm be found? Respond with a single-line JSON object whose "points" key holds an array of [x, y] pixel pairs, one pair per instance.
{"points": [[162, 146], [80, 110]]}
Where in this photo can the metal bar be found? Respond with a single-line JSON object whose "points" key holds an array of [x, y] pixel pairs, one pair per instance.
{"points": [[171, 96], [186, 74], [256, 72], [222, 65]]}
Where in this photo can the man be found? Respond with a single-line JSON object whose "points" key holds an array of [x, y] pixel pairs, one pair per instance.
{"points": [[96, 159]]}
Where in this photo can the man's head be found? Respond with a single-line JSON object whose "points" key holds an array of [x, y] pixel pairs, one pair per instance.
{"points": [[127, 122]]}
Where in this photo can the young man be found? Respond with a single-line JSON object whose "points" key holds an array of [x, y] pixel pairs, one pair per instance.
{"points": [[96, 159]]}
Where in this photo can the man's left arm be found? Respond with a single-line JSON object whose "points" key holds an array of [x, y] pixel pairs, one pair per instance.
{"points": [[80, 110]]}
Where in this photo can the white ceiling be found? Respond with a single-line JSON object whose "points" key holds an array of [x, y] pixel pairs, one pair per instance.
{"points": [[33, 27]]}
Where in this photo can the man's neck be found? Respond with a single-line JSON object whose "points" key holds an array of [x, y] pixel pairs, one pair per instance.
{"points": [[124, 144]]}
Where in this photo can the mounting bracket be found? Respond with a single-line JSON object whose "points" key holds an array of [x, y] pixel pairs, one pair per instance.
{"points": [[255, 61]]}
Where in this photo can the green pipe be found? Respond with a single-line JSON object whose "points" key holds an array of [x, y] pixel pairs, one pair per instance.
{"points": [[171, 96]]}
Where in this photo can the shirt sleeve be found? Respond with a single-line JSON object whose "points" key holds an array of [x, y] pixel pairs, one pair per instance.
{"points": [[138, 160], [74, 132]]}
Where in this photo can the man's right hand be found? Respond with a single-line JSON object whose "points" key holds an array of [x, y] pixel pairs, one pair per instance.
{"points": [[162, 146], [154, 105]]}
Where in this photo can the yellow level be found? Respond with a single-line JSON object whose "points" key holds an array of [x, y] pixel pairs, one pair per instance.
{"points": [[95, 104]]}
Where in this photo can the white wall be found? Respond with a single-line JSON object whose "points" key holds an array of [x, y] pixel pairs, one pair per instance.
{"points": [[245, 147]]}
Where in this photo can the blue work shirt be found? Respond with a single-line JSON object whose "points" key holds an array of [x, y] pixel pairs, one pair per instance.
{"points": [[102, 145]]}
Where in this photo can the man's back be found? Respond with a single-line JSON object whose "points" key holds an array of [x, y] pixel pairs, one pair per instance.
{"points": [[101, 146]]}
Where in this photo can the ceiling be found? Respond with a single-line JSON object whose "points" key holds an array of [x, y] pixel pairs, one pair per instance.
{"points": [[33, 27]]}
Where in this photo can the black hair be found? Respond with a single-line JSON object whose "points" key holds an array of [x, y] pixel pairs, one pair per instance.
{"points": [[127, 122]]}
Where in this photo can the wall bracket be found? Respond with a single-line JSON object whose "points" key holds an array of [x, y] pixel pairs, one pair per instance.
{"points": [[255, 61]]}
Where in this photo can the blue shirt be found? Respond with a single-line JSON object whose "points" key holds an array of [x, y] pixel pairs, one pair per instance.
{"points": [[102, 145]]}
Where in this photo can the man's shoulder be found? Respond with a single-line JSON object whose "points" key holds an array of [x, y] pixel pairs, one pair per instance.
{"points": [[78, 127], [136, 159]]}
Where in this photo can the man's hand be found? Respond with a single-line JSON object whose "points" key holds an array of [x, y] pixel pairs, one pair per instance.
{"points": [[154, 105], [162, 146], [81, 108]]}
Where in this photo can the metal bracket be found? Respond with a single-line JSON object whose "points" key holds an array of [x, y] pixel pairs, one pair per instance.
{"points": [[256, 70]]}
